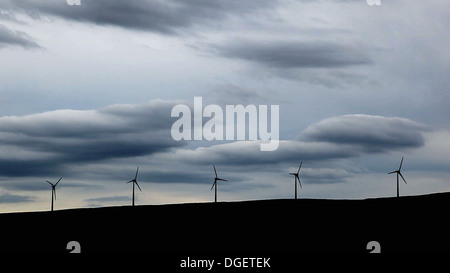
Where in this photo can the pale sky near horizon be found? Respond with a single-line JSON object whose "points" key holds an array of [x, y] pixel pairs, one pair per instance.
{"points": [[86, 94]]}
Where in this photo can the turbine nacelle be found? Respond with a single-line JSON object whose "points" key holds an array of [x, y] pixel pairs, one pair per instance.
{"points": [[398, 172]]}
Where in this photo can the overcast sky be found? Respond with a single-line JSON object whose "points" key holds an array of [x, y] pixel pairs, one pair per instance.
{"points": [[86, 94]]}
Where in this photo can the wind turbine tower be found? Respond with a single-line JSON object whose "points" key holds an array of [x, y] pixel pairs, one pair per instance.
{"points": [[53, 190], [214, 185], [398, 172], [297, 179], [134, 181]]}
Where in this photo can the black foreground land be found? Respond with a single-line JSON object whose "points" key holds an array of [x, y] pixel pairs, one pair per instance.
{"points": [[405, 224]]}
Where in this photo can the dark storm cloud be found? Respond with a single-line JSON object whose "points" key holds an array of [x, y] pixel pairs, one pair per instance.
{"points": [[45, 143], [149, 15], [294, 54], [28, 167], [10, 37]]}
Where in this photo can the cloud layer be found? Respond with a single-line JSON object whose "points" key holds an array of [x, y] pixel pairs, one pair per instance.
{"points": [[7, 198], [294, 54], [369, 133], [334, 138], [48, 143], [41, 143], [166, 17], [10, 37]]}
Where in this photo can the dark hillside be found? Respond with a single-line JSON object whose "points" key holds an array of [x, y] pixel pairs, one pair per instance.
{"points": [[405, 224]]}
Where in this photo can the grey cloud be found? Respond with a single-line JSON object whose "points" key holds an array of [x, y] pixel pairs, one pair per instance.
{"points": [[294, 54], [39, 184], [10, 37], [7, 198], [45, 143], [175, 177], [157, 16], [28, 167], [369, 133], [8, 16], [113, 119], [248, 153], [109, 199], [324, 175], [334, 138], [227, 93], [205, 176]]}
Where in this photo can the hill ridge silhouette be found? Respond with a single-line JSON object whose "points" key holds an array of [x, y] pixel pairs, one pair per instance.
{"points": [[405, 224]]}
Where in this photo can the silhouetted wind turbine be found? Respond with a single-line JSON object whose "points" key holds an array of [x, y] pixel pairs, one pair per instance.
{"points": [[297, 178], [399, 173], [215, 184], [134, 181], [53, 189]]}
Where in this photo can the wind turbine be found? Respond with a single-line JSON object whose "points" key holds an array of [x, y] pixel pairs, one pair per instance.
{"points": [[134, 181], [297, 178], [399, 174], [53, 189], [215, 184]]}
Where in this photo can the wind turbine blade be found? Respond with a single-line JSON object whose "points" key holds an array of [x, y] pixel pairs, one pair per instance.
{"points": [[392, 172], [130, 181], [402, 177], [299, 167], [292, 173], [401, 164], [54, 191], [58, 181], [137, 170], [215, 181], [221, 179], [215, 170], [138, 185], [49, 182], [300, 183]]}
